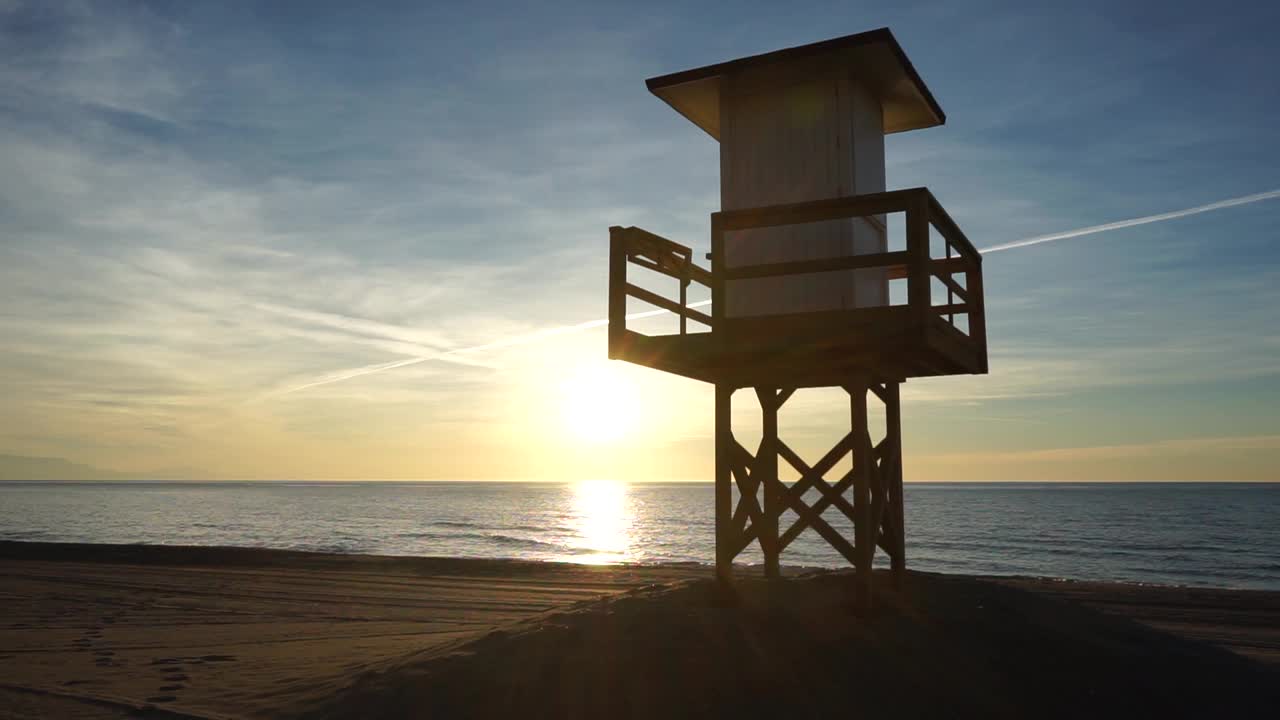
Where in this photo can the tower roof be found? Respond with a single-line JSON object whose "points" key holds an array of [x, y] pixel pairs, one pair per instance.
{"points": [[874, 57]]}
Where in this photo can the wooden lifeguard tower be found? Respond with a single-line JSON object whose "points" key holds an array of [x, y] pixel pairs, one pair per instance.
{"points": [[807, 289]]}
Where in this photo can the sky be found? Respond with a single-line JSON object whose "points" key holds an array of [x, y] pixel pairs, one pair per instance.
{"points": [[216, 219]]}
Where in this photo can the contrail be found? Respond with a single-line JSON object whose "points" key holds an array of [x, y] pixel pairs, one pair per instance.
{"points": [[592, 324], [1221, 204]]}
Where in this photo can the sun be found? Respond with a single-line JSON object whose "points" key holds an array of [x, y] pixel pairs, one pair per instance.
{"points": [[599, 403]]}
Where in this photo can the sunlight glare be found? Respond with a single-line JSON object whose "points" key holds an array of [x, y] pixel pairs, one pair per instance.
{"points": [[602, 519], [599, 403]]}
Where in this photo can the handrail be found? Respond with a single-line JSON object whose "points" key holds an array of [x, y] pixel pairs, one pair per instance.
{"points": [[915, 264], [655, 299], [631, 245], [818, 210], [653, 252], [951, 231], [804, 267]]}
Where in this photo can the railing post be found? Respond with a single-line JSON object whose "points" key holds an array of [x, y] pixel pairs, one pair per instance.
{"points": [[617, 290], [717, 277], [684, 295], [766, 467], [918, 281], [977, 308]]}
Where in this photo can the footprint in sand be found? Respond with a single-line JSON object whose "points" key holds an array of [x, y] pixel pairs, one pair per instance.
{"points": [[176, 677]]}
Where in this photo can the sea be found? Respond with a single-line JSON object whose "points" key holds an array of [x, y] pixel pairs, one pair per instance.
{"points": [[1210, 534]]}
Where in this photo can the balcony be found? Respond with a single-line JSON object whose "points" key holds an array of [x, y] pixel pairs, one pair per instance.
{"points": [[930, 322]]}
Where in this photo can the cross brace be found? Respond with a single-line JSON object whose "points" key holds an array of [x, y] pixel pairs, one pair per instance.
{"points": [[869, 494]]}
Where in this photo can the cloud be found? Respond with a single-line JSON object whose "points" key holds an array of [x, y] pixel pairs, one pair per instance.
{"points": [[1096, 453]]}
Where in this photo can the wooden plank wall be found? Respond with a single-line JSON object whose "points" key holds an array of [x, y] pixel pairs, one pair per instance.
{"points": [[793, 134]]}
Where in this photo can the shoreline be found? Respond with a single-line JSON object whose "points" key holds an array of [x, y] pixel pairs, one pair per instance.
{"points": [[189, 554], [104, 630]]}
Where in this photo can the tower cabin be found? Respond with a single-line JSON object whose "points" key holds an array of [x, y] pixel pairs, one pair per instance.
{"points": [[819, 277], [804, 279]]}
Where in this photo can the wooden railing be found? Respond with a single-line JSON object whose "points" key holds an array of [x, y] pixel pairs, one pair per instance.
{"points": [[656, 253], [915, 264], [958, 269]]}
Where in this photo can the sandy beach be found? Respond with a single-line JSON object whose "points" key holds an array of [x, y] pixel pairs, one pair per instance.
{"points": [[99, 631]]}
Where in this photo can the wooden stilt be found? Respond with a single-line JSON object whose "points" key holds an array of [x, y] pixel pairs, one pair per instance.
{"points": [[893, 436], [725, 541], [766, 469], [864, 532], [875, 482]]}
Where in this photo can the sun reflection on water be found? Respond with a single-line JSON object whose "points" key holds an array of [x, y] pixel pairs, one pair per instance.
{"points": [[602, 522]]}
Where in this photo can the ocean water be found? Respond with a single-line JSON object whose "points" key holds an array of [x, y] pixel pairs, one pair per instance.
{"points": [[1225, 535]]}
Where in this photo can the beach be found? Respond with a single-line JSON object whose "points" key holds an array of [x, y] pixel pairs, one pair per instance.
{"points": [[101, 631]]}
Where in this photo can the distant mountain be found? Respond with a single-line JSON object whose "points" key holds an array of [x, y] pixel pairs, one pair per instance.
{"points": [[20, 467]]}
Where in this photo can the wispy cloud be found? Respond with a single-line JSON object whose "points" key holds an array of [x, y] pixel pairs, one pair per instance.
{"points": [[1091, 453]]}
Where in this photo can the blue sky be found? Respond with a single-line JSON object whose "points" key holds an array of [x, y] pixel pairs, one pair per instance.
{"points": [[207, 204]]}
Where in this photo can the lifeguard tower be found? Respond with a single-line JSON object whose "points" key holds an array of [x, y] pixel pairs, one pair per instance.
{"points": [[808, 286]]}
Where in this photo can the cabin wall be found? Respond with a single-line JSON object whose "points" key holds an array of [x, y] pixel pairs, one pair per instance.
{"points": [[791, 135]]}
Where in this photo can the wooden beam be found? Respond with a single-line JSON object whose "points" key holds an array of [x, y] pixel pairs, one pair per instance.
{"points": [[953, 309], [946, 279], [766, 471], [801, 486], [893, 441], [950, 230], [862, 463], [842, 486], [783, 395], [807, 267], [818, 210], [672, 268], [918, 251], [742, 464], [640, 238], [828, 533], [978, 318], [617, 291], [812, 477], [655, 299], [724, 488]]}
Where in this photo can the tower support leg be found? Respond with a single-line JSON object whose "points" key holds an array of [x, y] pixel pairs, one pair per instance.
{"points": [[765, 473], [725, 535], [863, 471], [875, 483], [893, 464]]}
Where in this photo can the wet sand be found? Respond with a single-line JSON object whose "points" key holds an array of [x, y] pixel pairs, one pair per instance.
{"points": [[96, 631]]}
